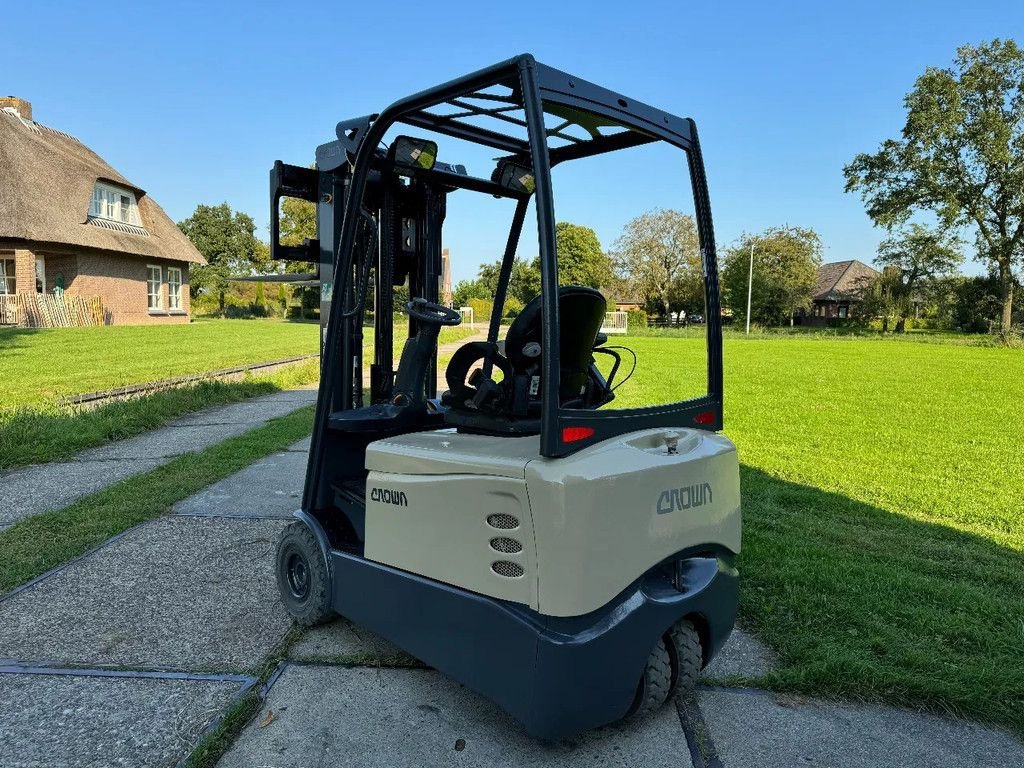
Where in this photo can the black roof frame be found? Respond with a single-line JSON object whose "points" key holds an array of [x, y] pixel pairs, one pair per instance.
{"points": [[534, 85]]}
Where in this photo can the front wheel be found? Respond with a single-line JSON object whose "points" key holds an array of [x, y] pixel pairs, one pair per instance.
{"points": [[302, 577]]}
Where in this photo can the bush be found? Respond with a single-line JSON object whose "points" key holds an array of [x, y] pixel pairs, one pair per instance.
{"points": [[482, 309], [636, 318], [513, 307]]}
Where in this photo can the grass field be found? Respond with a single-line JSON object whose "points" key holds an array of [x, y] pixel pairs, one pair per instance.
{"points": [[883, 495], [40, 365], [37, 367]]}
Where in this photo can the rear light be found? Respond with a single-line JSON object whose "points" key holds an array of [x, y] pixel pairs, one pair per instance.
{"points": [[572, 434], [705, 418]]}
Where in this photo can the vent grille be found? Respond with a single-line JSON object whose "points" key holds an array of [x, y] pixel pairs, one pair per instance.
{"points": [[507, 569], [505, 544], [502, 522]]}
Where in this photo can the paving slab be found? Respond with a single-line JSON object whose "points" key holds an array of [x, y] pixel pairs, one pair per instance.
{"points": [[78, 721], [203, 428], [41, 487], [179, 593], [743, 655], [757, 729], [302, 445], [341, 641], [249, 412], [272, 487], [337, 716]]}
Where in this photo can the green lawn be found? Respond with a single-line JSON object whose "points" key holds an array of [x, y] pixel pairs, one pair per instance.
{"points": [[37, 366], [883, 499]]}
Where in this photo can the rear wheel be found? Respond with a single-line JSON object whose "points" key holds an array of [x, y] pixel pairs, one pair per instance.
{"points": [[655, 683], [688, 654], [302, 577]]}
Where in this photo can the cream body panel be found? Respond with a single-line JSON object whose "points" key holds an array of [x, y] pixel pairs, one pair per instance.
{"points": [[444, 451], [596, 513], [441, 530]]}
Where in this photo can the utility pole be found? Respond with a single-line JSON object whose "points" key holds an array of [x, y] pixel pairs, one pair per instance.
{"points": [[750, 286]]}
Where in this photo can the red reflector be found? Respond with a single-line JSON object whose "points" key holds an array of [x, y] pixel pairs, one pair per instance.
{"points": [[704, 418], [572, 434]]}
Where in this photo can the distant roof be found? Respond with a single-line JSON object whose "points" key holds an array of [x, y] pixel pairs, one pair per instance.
{"points": [[46, 185], [842, 279]]}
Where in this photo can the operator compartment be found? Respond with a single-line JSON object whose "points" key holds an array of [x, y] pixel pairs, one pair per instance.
{"points": [[453, 507]]}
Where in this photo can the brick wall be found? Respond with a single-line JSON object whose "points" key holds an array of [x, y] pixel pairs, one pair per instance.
{"points": [[121, 282], [24, 270], [59, 265]]}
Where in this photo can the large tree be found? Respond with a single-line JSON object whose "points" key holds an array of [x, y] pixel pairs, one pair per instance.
{"points": [[581, 260], [658, 255], [523, 281], [229, 244], [919, 255], [961, 155], [786, 261]]}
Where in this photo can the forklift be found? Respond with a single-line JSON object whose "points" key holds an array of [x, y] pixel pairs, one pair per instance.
{"points": [[570, 561]]}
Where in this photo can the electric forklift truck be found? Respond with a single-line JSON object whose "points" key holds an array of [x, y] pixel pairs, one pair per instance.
{"points": [[572, 562]]}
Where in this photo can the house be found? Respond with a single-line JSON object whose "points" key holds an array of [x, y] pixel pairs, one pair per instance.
{"points": [[71, 223], [838, 287]]}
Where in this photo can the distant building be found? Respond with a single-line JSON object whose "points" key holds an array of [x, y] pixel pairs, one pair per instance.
{"points": [[69, 222], [446, 278], [838, 287]]}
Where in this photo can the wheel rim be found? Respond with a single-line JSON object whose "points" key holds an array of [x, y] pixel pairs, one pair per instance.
{"points": [[297, 574]]}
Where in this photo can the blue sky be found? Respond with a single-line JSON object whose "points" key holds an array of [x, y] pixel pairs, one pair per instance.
{"points": [[194, 101]]}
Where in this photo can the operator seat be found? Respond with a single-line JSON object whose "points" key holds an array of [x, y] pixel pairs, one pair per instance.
{"points": [[512, 405]]}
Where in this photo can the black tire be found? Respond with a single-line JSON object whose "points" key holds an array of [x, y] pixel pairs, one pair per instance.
{"points": [[689, 656], [302, 577], [655, 683]]}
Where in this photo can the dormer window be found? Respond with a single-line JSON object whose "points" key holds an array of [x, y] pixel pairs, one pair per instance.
{"points": [[111, 203]]}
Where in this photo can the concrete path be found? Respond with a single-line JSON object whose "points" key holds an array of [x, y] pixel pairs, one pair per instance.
{"points": [[42, 487], [129, 654]]}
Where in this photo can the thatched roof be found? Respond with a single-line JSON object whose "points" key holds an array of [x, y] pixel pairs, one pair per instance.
{"points": [[842, 280], [46, 185]]}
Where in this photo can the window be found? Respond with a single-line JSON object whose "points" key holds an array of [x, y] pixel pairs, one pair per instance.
{"points": [[153, 288], [844, 311], [7, 284], [40, 275], [114, 204], [174, 289]]}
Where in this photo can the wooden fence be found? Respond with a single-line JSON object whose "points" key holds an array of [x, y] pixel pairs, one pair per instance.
{"points": [[38, 310]]}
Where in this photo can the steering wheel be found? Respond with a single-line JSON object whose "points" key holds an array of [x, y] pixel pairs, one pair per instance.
{"points": [[428, 312]]}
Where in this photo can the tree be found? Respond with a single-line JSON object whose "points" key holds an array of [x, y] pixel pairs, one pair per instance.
{"points": [[919, 255], [659, 256], [961, 156], [581, 261], [883, 297], [298, 223], [523, 280], [228, 242], [786, 261], [469, 289]]}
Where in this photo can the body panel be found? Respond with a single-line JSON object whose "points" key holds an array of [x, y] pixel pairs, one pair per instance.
{"points": [[438, 526], [444, 451], [605, 515]]}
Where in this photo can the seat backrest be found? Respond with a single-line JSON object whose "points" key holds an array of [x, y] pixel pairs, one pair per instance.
{"points": [[581, 314]]}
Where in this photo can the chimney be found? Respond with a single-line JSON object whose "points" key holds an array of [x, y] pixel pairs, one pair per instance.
{"points": [[22, 107]]}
